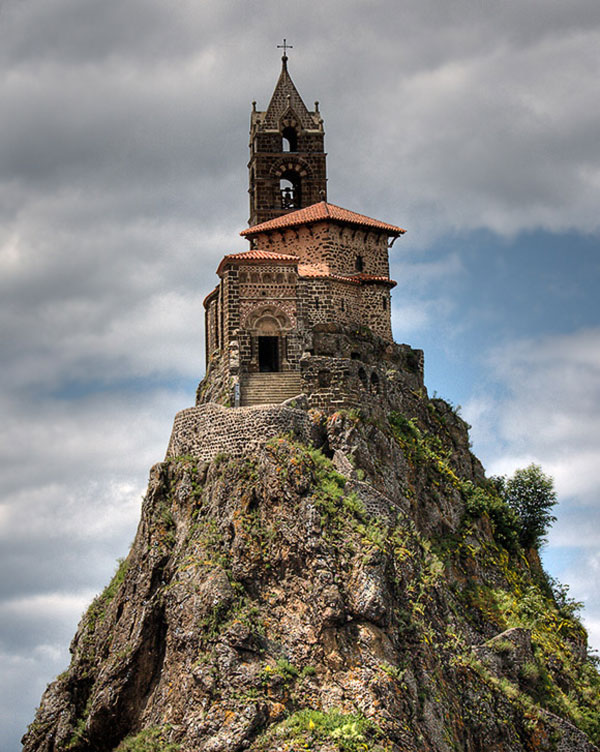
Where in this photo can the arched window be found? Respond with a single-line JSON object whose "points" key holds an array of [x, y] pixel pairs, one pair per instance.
{"points": [[289, 188], [289, 139], [359, 264]]}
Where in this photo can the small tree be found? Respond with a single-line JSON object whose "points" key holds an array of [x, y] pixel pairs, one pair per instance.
{"points": [[530, 493]]}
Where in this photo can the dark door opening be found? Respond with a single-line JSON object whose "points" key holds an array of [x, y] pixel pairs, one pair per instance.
{"points": [[268, 354]]}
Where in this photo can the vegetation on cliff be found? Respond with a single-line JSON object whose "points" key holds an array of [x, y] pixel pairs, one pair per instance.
{"points": [[373, 593]]}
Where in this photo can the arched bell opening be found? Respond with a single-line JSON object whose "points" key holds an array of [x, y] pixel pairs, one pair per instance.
{"points": [[289, 190]]}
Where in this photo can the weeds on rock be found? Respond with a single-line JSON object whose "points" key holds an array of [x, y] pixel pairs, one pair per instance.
{"points": [[310, 729], [149, 740]]}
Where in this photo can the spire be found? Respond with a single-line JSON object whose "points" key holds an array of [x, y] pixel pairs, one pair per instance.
{"points": [[286, 97]]}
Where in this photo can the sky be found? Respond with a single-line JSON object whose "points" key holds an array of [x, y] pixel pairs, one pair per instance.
{"points": [[123, 181]]}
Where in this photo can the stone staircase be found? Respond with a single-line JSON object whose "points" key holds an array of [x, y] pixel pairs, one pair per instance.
{"points": [[269, 388]]}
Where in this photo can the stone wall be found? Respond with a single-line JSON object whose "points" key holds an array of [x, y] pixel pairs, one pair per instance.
{"points": [[330, 247], [347, 243], [332, 383], [340, 367], [375, 305], [269, 159], [209, 429]]}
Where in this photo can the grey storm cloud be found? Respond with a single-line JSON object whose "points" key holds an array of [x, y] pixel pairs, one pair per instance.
{"points": [[123, 152]]}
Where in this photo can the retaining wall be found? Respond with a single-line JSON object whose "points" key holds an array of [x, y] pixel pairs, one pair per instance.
{"points": [[210, 429]]}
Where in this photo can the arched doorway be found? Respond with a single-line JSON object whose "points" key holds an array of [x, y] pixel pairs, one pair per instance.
{"points": [[267, 330], [268, 327]]}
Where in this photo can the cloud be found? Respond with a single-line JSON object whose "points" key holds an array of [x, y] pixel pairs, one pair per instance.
{"points": [[552, 407], [421, 298], [55, 610], [74, 472], [583, 576], [123, 182], [548, 411], [484, 127], [24, 677], [74, 475]]}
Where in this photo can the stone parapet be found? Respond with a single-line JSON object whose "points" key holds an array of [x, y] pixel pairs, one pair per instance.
{"points": [[210, 429]]}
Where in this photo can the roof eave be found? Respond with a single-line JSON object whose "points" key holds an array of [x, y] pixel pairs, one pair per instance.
{"points": [[210, 296], [231, 260], [251, 232]]}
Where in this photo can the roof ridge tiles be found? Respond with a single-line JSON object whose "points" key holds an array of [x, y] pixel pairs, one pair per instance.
{"points": [[321, 212]]}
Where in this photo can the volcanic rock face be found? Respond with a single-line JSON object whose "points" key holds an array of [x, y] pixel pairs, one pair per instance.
{"points": [[364, 594]]}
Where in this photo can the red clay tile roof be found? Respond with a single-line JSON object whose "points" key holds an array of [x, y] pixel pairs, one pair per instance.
{"points": [[257, 256], [321, 212], [374, 278], [354, 279], [209, 296]]}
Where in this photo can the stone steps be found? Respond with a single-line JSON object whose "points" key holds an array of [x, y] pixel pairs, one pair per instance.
{"points": [[269, 388]]}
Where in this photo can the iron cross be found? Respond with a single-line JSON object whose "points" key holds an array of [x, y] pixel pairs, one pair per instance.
{"points": [[285, 47]]}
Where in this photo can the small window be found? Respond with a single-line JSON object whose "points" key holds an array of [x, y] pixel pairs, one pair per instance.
{"points": [[359, 264], [243, 277], [384, 303], [343, 305], [324, 378]]}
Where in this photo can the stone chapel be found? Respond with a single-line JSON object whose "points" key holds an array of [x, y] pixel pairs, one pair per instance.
{"points": [[306, 310]]}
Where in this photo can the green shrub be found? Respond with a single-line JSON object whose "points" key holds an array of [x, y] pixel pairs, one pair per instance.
{"points": [[403, 427], [530, 494], [286, 669], [149, 740], [503, 519]]}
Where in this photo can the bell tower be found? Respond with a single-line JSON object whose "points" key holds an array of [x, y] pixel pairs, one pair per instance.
{"points": [[287, 169]]}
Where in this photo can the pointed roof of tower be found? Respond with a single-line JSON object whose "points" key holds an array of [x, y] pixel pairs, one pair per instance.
{"points": [[322, 212], [286, 97]]}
